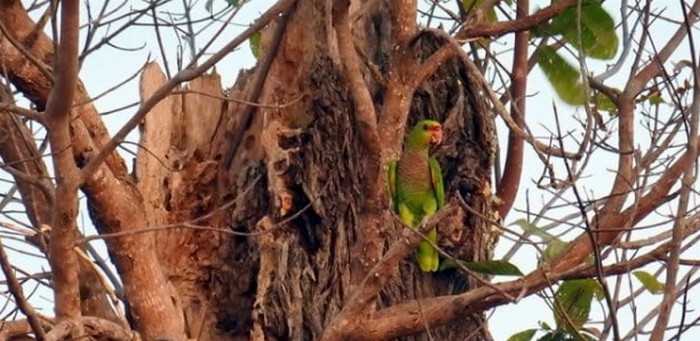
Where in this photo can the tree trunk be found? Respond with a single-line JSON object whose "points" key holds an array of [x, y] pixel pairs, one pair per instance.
{"points": [[286, 179]]}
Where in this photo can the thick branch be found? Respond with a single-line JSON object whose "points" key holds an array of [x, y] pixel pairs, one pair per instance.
{"points": [[625, 173], [18, 149], [99, 329], [364, 107], [411, 317], [513, 168], [403, 15], [23, 158], [64, 262], [430, 65], [366, 121], [504, 27], [348, 320], [399, 86]]}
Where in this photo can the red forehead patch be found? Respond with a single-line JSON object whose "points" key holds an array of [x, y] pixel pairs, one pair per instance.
{"points": [[434, 127]]}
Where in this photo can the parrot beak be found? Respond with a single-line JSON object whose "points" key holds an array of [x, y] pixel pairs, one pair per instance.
{"points": [[436, 137]]}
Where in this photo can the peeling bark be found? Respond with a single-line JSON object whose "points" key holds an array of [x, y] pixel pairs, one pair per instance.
{"points": [[301, 158]]}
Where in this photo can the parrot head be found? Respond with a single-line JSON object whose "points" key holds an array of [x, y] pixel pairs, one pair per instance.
{"points": [[425, 134]]}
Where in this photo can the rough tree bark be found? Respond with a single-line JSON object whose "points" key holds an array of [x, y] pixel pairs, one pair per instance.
{"points": [[294, 183]]}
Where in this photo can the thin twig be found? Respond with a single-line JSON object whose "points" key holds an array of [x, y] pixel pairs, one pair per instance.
{"points": [[180, 77], [16, 291]]}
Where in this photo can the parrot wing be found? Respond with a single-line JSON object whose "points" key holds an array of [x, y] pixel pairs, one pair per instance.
{"points": [[391, 181], [436, 179]]}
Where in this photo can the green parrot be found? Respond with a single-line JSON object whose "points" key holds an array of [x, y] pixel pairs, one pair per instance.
{"points": [[416, 188]]}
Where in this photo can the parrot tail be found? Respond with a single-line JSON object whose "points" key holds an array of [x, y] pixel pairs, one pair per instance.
{"points": [[426, 255]]}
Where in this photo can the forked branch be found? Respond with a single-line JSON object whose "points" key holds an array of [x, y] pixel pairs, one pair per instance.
{"points": [[64, 262], [356, 311]]}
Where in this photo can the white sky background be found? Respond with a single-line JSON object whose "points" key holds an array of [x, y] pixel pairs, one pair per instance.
{"points": [[108, 65]]}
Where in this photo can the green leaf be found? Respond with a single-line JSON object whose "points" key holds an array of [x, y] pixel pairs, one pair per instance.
{"points": [[649, 282], [565, 78], [525, 335], [209, 5], [490, 17], [573, 300], [656, 99], [554, 248], [532, 229], [490, 267], [604, 103], [562, 335], [556, 335], [545, 326], [597, 38], [254, 42]]}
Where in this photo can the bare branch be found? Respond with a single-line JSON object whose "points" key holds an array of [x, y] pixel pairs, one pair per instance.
{"points": [[500, 109], [504, 27], [17, 292], [180, 77], [64, 263], [62, 330], [364, 107], [510, 182], [636, 83], [430, 65], [687, 182]]}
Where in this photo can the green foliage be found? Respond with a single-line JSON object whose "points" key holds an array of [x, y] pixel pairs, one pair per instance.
{"points": [[254, 42], [565, 78], [525, 335], [571, 310], [562, 335], [209, 5], [653, 97], [573, 303], [603, 103], [472, 5], [587, 28], [557, 335], [554, 248], [597, 37], [656, 99], [490, 17], [490, 267], [649, 282], [532, 229]]}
